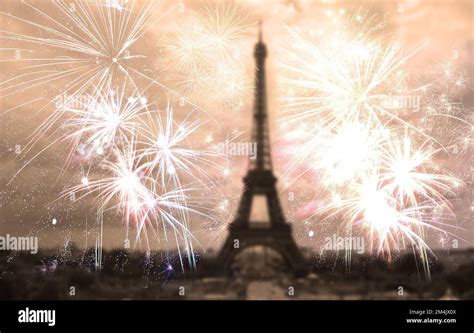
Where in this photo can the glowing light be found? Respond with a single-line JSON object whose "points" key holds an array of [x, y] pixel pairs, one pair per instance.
{"points": [[85, 181]]}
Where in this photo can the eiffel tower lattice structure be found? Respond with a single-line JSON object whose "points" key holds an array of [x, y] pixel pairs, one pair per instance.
{"points": [[260, 220]]}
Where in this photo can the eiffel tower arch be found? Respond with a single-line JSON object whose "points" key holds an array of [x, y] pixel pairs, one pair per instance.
{"points": [[260, 220]]}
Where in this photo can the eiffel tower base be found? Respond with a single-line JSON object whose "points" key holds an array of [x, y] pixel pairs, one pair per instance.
{"points": [[279, 239]]}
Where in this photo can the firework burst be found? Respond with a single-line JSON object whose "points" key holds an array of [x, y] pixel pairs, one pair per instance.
{"points": [[95, 40], [206, 50], [125, 184], [167, 149], [343, 88], [97, 122], [352, 118]]}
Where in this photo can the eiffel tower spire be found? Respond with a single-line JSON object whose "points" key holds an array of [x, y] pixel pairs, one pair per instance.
{"points": [[260, 220], [260, 132]]}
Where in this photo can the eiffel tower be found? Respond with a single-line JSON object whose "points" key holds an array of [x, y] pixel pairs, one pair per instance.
{"points": [[249, 227]]}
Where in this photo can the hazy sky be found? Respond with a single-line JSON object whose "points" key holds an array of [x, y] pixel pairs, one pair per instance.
{"points": [[29, 202]]}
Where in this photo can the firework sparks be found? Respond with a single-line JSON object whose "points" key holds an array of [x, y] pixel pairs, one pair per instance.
{"points": [[168, 151], [103, 119], [407, 171]]}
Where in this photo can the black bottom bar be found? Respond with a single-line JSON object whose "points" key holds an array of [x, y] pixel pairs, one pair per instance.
{"points": [[416, 316]]}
